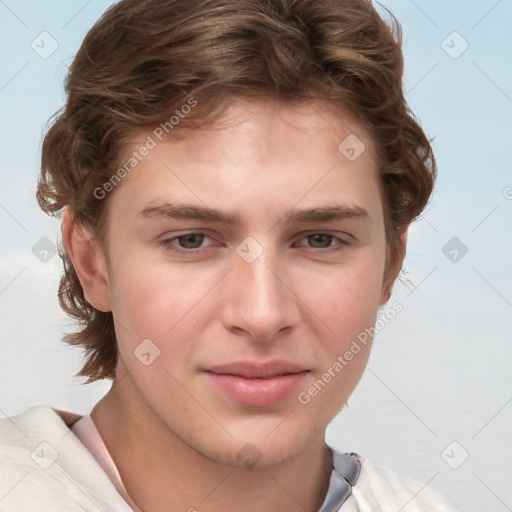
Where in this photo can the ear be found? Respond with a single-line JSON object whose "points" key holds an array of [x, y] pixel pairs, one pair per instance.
{"points": [[88, 261], [394, 270]]}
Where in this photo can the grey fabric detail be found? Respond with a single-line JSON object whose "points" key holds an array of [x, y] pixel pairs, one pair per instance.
{"points": [[343, 477], [347, 464]]}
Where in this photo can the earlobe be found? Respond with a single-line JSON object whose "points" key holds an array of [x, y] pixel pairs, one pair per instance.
{"points": [[88, 261], [396, 266]]}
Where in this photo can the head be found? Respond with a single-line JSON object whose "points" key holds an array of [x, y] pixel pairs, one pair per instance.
{"points": [[255, 109]]}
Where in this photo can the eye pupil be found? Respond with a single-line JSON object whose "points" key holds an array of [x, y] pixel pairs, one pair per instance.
{"points": [[189, 239], [318, 238]]}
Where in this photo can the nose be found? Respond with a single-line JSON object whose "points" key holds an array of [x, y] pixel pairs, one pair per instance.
{"points": [[259, 302]]}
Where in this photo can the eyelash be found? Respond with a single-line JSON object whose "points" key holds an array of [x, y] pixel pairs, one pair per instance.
{"points": [[168, 244]]}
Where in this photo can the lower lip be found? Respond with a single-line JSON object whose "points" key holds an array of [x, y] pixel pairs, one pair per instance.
{"points": [[257, 392]]}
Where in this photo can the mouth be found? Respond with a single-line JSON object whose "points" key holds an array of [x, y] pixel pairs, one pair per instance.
{"points": [[257, 384]]}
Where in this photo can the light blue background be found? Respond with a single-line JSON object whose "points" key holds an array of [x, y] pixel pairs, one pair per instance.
{"points": [[439, 372]]}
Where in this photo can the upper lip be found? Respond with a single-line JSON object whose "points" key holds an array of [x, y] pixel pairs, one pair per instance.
{"points": [[257, 370]]}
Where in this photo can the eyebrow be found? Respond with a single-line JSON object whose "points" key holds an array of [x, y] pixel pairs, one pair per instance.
{"points": [[184, 211]]}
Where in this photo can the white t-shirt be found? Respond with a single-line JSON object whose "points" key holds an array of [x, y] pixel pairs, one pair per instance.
{"points": [[56, 461]]}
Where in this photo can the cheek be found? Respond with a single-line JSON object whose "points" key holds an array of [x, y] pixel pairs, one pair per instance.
{"points": [[346, 297], [153, 300], [345, 307]]}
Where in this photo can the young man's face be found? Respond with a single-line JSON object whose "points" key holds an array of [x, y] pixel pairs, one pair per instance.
{"points": [[247, 316]]}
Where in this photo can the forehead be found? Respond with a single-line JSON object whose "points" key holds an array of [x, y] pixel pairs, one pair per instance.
{"points": [[279, 124], [259, 151]]}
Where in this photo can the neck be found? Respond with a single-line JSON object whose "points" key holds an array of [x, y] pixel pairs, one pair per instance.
{"points": [[161, 472]]}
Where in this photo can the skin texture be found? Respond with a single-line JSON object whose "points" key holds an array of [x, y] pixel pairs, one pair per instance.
{"points": [[177, 440]]}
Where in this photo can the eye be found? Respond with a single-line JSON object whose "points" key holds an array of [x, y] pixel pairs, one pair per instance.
{"points": [[323, 241], [191, 240], [186, 243]]}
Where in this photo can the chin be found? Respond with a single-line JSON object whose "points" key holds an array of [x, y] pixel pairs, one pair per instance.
{"points": [[260, 453]]}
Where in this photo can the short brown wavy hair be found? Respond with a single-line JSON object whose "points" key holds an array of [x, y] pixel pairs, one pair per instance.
{"points": [[143, 59]]}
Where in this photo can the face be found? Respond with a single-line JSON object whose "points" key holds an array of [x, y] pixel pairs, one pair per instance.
{"points": [[244, 262]]}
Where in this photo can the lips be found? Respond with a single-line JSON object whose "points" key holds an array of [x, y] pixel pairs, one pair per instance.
{"points": [[257, 384]]}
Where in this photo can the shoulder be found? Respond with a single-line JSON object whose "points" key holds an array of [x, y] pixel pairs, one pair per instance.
{"points": [[379, 488], [21, 435], [26, 452], [44, 466]]}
